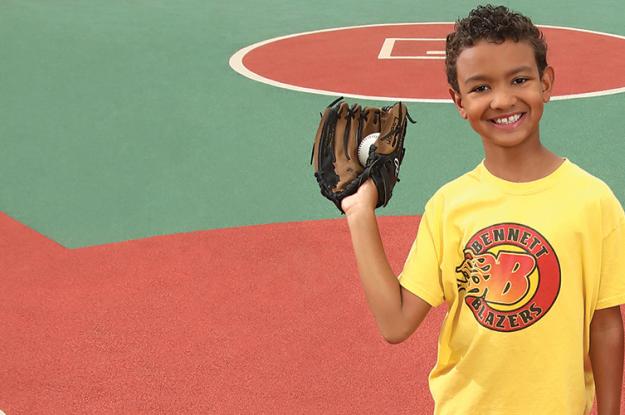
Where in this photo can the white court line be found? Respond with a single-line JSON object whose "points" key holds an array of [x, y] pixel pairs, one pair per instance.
{"points": [[236, 63], [386, 52]]}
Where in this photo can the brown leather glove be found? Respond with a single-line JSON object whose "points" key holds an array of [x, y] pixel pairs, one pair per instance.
{"points": [[335, 161]]}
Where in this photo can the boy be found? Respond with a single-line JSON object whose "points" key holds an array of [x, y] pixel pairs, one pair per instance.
{"points": [[527, 250]]}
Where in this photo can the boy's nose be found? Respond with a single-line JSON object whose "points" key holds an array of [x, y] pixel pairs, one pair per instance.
{"points": [[502, 99]]}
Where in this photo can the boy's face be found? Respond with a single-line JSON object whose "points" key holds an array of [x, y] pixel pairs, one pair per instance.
{"points": [[501, 92]]}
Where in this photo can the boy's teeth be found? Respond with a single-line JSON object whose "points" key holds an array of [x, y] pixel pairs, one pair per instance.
{"points": [[509, 120]]}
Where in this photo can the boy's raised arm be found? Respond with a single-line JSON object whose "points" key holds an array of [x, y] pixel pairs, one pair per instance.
{"points": [[397, 311]]}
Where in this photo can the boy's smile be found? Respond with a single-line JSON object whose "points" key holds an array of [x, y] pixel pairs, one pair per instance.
{"points": [[501, 92], [508, 122]]}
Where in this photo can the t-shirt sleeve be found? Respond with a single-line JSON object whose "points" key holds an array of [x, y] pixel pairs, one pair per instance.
{"points": [[612, 282], [421, 274]]}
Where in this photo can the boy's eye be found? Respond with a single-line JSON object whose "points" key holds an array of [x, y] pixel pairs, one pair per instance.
{"points": [[519, 81], [479, 88]]}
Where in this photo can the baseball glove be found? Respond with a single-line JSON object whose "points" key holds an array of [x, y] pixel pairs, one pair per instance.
{"points": [[335, 160]]}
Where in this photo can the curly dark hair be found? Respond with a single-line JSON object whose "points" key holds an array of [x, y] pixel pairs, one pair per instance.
{"points": [[494, 24]]}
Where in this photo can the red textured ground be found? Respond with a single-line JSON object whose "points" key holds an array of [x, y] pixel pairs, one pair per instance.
{"points": [[263, 319]]}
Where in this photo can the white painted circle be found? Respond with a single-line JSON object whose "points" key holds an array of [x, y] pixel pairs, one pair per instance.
{"points": [[239, 64]]}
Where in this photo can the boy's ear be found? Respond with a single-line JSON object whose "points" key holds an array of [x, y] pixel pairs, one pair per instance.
{"points": [[455, 96], [547, 82]]}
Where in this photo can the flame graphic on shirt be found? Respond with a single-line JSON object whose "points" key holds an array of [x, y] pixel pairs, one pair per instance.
{"points": [[499, 279]]}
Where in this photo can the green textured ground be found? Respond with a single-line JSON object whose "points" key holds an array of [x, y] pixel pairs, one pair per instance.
{"points": [[122, 119]]}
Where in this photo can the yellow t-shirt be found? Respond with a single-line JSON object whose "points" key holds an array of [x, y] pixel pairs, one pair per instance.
{"points": [[522, 268]]}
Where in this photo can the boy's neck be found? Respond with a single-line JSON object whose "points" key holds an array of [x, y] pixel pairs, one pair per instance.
{"points": [[521, 166]]}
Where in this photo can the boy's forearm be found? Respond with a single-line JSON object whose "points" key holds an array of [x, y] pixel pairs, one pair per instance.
{"points": [[606, 355], [381, 286]]}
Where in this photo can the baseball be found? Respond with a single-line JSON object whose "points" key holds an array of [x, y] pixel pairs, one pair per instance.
{"points": [[363, 148]]}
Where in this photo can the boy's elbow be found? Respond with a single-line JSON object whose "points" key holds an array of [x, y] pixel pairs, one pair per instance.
{"points": [[394, 337], [400, 332]]}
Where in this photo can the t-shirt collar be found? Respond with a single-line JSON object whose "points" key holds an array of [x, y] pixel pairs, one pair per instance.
{"points": [[533, 186]]}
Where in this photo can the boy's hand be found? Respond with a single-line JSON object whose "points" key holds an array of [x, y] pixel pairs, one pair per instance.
{"points": [[365, 198]]}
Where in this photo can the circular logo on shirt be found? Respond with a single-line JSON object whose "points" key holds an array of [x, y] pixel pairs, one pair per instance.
{"points": [[509, 277]]}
